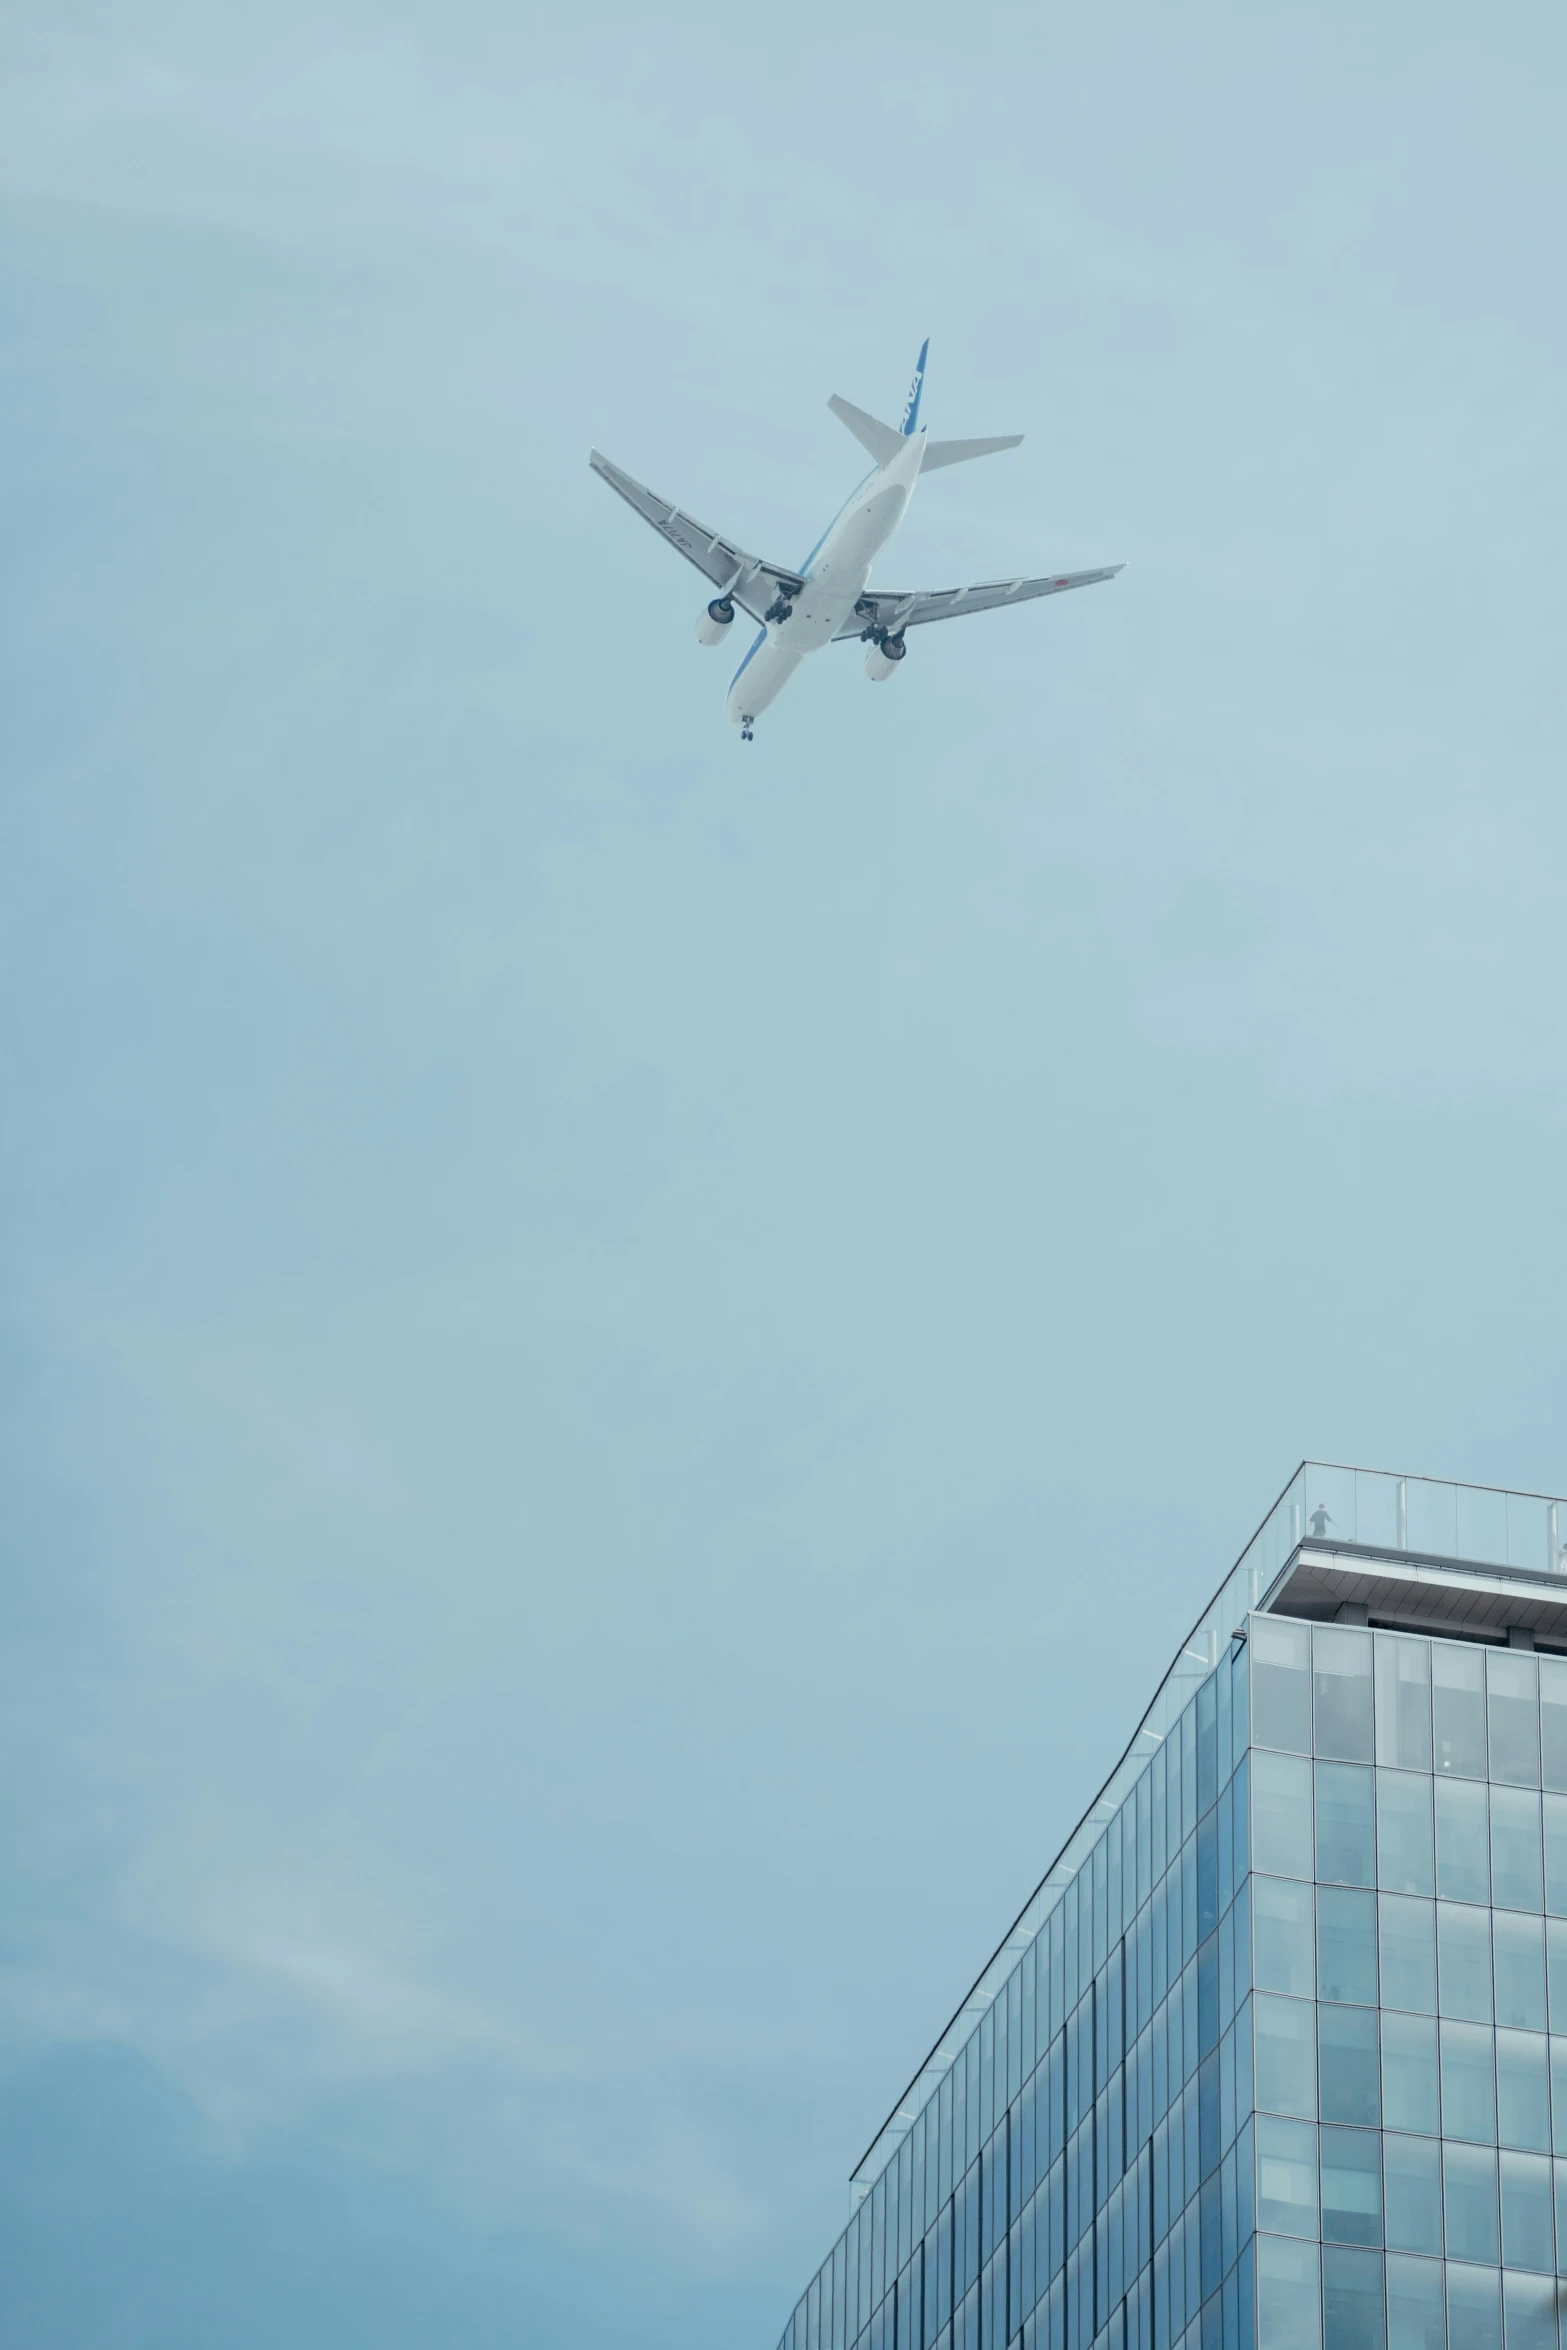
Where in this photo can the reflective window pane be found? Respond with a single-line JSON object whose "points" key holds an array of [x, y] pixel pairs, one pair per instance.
{"points": [[1469, 2202], [1468, 2082], [1474, 2316], [1519, 1945], [1531, 2312], [1347, 1945], [1280, 1684], [1346, 1830], [1556, 1971], [1458, 1709], [1463, 1870], [1558, 2050], [1342, 1690], [1407, 1938], [1463, 1947], [1289, 2294], [1514, 1717], [1286, 2175], [1409, 2073], [1352, 2300], [1523, 2091], [1412, 2173], [1281, 1814], [1286, 2070], [1516, 1878], [1403, 1678], [1528, 2229], [1405, 1862], [1282, 1934], [1347, 2058], [1351, 2186], [1556, 1855], [1414, 2305], [1553, 1720]]}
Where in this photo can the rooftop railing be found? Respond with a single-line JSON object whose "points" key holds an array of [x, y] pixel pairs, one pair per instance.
{"points": [[1473, 1525]]}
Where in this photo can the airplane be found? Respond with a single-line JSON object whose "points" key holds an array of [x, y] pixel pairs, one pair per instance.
{"points": [[827, 601]]}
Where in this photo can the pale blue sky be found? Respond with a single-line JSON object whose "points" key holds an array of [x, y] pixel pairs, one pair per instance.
{"points": [[623, 1357]]}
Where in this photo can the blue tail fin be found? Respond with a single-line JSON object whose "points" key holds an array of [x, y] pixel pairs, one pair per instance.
{"points": [[911, 406]]}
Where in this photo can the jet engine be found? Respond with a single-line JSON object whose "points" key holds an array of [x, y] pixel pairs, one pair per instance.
{"points": [[882, 660], [716, 621]]}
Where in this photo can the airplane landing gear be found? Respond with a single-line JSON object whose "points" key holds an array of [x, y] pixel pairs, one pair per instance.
{"points": [[746, 736]]}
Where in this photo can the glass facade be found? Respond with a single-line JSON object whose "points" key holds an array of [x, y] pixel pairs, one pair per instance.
{"points": [[1283, 2063], [1409, 1988]]}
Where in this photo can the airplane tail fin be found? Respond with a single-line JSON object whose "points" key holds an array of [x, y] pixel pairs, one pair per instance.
{"points": [[884, 443], [911, 406], [959, 452], [881, 440]]}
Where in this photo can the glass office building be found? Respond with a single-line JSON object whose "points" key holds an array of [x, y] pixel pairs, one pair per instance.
{"points": [[1275, 2058]]}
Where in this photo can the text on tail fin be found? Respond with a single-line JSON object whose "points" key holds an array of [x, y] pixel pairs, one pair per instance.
{"points": [[911, 406]]}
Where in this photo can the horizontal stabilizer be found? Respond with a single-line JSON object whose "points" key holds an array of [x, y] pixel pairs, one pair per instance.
{"points": [[883, 440], [959, 452]]}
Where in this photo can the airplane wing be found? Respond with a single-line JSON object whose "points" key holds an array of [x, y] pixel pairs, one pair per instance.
{"points": [[756, 587], [886, 611]]}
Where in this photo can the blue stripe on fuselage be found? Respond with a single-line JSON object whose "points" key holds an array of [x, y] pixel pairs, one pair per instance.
{"points": [[760, 640], [805, 569], [837, 518]]}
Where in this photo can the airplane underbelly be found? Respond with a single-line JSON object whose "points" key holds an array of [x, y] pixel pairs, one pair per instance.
{"points": [[862, 535], [765, 671], [823, 605], [825, 602]]}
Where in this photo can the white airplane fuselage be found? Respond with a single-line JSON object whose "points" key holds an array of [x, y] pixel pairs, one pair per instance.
{"points": [[835, 573]]}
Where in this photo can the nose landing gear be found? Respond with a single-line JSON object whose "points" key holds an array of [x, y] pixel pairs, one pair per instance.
{"points": [[746, 735]]}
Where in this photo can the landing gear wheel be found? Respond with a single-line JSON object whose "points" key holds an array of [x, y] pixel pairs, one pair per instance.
{"points": [[746, 736]]}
